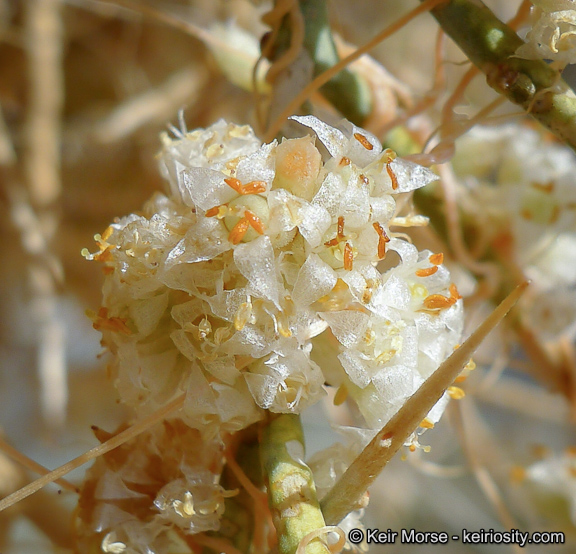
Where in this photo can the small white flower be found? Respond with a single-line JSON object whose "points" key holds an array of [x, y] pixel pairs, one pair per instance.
{"points": [[552, 37]]}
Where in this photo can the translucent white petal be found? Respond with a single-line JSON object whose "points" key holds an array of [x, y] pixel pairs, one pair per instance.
{"points": [[258, 166], [410, 176], [330, 192], [334, 140], [355, 206], [315, 279], [204, 188], [356, 367], [223, 369], [358, 140], [284, 208], [256, 261], [315, 221], [408, 252], [146, 313], [348, 326]]}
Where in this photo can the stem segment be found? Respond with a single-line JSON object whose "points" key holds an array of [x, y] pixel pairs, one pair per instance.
{"points": [[491, 46], [291, 490]]}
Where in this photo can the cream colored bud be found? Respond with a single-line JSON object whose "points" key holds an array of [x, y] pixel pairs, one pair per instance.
{"points": [[298, 163]]}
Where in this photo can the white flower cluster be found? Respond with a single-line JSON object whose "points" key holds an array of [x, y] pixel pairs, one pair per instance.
{"points": [[253, 283], [525, 185], [553, 34]]}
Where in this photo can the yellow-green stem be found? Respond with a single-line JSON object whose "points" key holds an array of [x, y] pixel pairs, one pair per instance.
{"points": [[291, 490]]}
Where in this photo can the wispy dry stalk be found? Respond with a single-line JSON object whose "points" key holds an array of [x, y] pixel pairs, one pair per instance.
{"points": [[42, 169], [478, 445], [152, 106], [117, 440], [30, 464], [45, 511]]}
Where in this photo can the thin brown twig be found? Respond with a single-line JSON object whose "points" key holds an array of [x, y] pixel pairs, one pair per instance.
{"points": [[117, 440], [30, 464]]}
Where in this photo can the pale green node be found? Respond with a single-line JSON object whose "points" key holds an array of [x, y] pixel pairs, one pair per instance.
{"points": [[493, 38]]}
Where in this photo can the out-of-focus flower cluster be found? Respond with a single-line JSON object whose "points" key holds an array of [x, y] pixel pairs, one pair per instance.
{"points": [[251, 286], [525, 188], [553, 33]]}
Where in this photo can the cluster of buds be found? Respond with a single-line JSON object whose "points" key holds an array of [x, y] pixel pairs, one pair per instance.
{"points": [[266, 274]]}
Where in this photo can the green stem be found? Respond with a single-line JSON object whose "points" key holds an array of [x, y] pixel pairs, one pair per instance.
{"points": [[345, 91], [491, 46], [291, 490]]}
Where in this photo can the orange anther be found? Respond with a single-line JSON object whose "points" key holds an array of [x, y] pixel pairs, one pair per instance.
{"points": [[426, 424], [255, 222], [253, 187], [106, 254], [544, 187], [364, 141], [114, 324], [344, 161], [436, 259], [382, 240], [333, 242], [341, 395], [212, 211], [239, 230], [234, 183], [426, 272], [456, 393], [107, 234], [340, 233], [392, 176], [517, 474], [348, 257], [454, 294], [437, 301]]}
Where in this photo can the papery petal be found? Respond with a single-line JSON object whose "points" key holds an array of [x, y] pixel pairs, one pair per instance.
{"points": [[410, 176], [315, 279], [256, 261], [314, 222], [334, 140], [359, 139], [204, 188], [258, 166], [348, 326]]}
